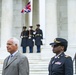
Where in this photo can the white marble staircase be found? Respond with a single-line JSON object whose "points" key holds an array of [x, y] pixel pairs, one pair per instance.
{"points": [[38, 66]]}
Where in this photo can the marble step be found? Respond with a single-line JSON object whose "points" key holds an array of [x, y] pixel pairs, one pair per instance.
{"points": [[33, 56], [38, 66], [39, 73]]}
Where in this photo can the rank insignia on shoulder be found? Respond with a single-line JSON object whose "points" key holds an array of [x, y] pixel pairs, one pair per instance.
{"points": [[67, 56]]}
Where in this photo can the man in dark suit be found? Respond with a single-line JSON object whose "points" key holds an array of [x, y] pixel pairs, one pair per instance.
{"points": [[60, 64], [24, 39], [15, 63], [38, 37], [30, 39]]}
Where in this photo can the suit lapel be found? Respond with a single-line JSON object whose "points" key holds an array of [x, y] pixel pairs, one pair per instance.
{"points": [[11, 61], [14, 58], [6, 62]]}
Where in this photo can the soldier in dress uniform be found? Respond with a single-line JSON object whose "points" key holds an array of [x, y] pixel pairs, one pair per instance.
{"points": [[38, 37], [60, 64], [24, 36], [30, 39]]}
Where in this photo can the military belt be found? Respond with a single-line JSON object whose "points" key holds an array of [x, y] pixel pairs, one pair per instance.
{"points": [[25, 36], [38, 35]]}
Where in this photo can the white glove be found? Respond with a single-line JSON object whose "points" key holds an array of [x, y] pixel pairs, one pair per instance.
{"points": [[21, 36], [33, 40], [34, 32]]}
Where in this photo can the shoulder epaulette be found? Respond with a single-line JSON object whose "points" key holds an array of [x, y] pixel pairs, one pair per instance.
{"points": [[67, 56]]}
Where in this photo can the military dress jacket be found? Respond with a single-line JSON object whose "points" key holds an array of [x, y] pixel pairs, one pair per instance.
{"points": [[62, 65], [38, 37], [24, 40], [30, 38]]}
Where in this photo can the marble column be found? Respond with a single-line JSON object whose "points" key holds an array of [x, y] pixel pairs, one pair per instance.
{"points": [[72, 22], [42, 17], [50, 28], [23, 14], [30, 14], [72, 27], [6, 21]]}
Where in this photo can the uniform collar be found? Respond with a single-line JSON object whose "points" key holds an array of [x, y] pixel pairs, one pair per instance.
{"points": [[60, 54]]}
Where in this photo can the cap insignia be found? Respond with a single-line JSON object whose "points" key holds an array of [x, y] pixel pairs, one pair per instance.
{"points": [[56, 41]]}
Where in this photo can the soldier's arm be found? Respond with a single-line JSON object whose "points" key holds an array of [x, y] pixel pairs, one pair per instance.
{"points": [[68, 66], [21, 36], [41, 34]]}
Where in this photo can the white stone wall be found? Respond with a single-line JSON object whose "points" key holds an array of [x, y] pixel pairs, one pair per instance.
{"points": [[0, 18]]}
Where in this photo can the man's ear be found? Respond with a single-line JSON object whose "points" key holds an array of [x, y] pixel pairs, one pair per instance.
{"points": [[16, 45]]}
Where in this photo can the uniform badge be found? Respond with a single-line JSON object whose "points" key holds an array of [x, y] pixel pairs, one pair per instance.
{"points": [[58, 63]]}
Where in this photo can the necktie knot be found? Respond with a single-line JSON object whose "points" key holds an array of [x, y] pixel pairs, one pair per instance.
{"points": [[11, 55]]}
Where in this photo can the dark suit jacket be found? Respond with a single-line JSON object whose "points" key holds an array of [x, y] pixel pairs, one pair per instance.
{"points": [[17, 66], [62, 65]]}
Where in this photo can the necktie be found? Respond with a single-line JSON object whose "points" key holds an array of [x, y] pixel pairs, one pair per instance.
{"points": [[10, 57]]}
